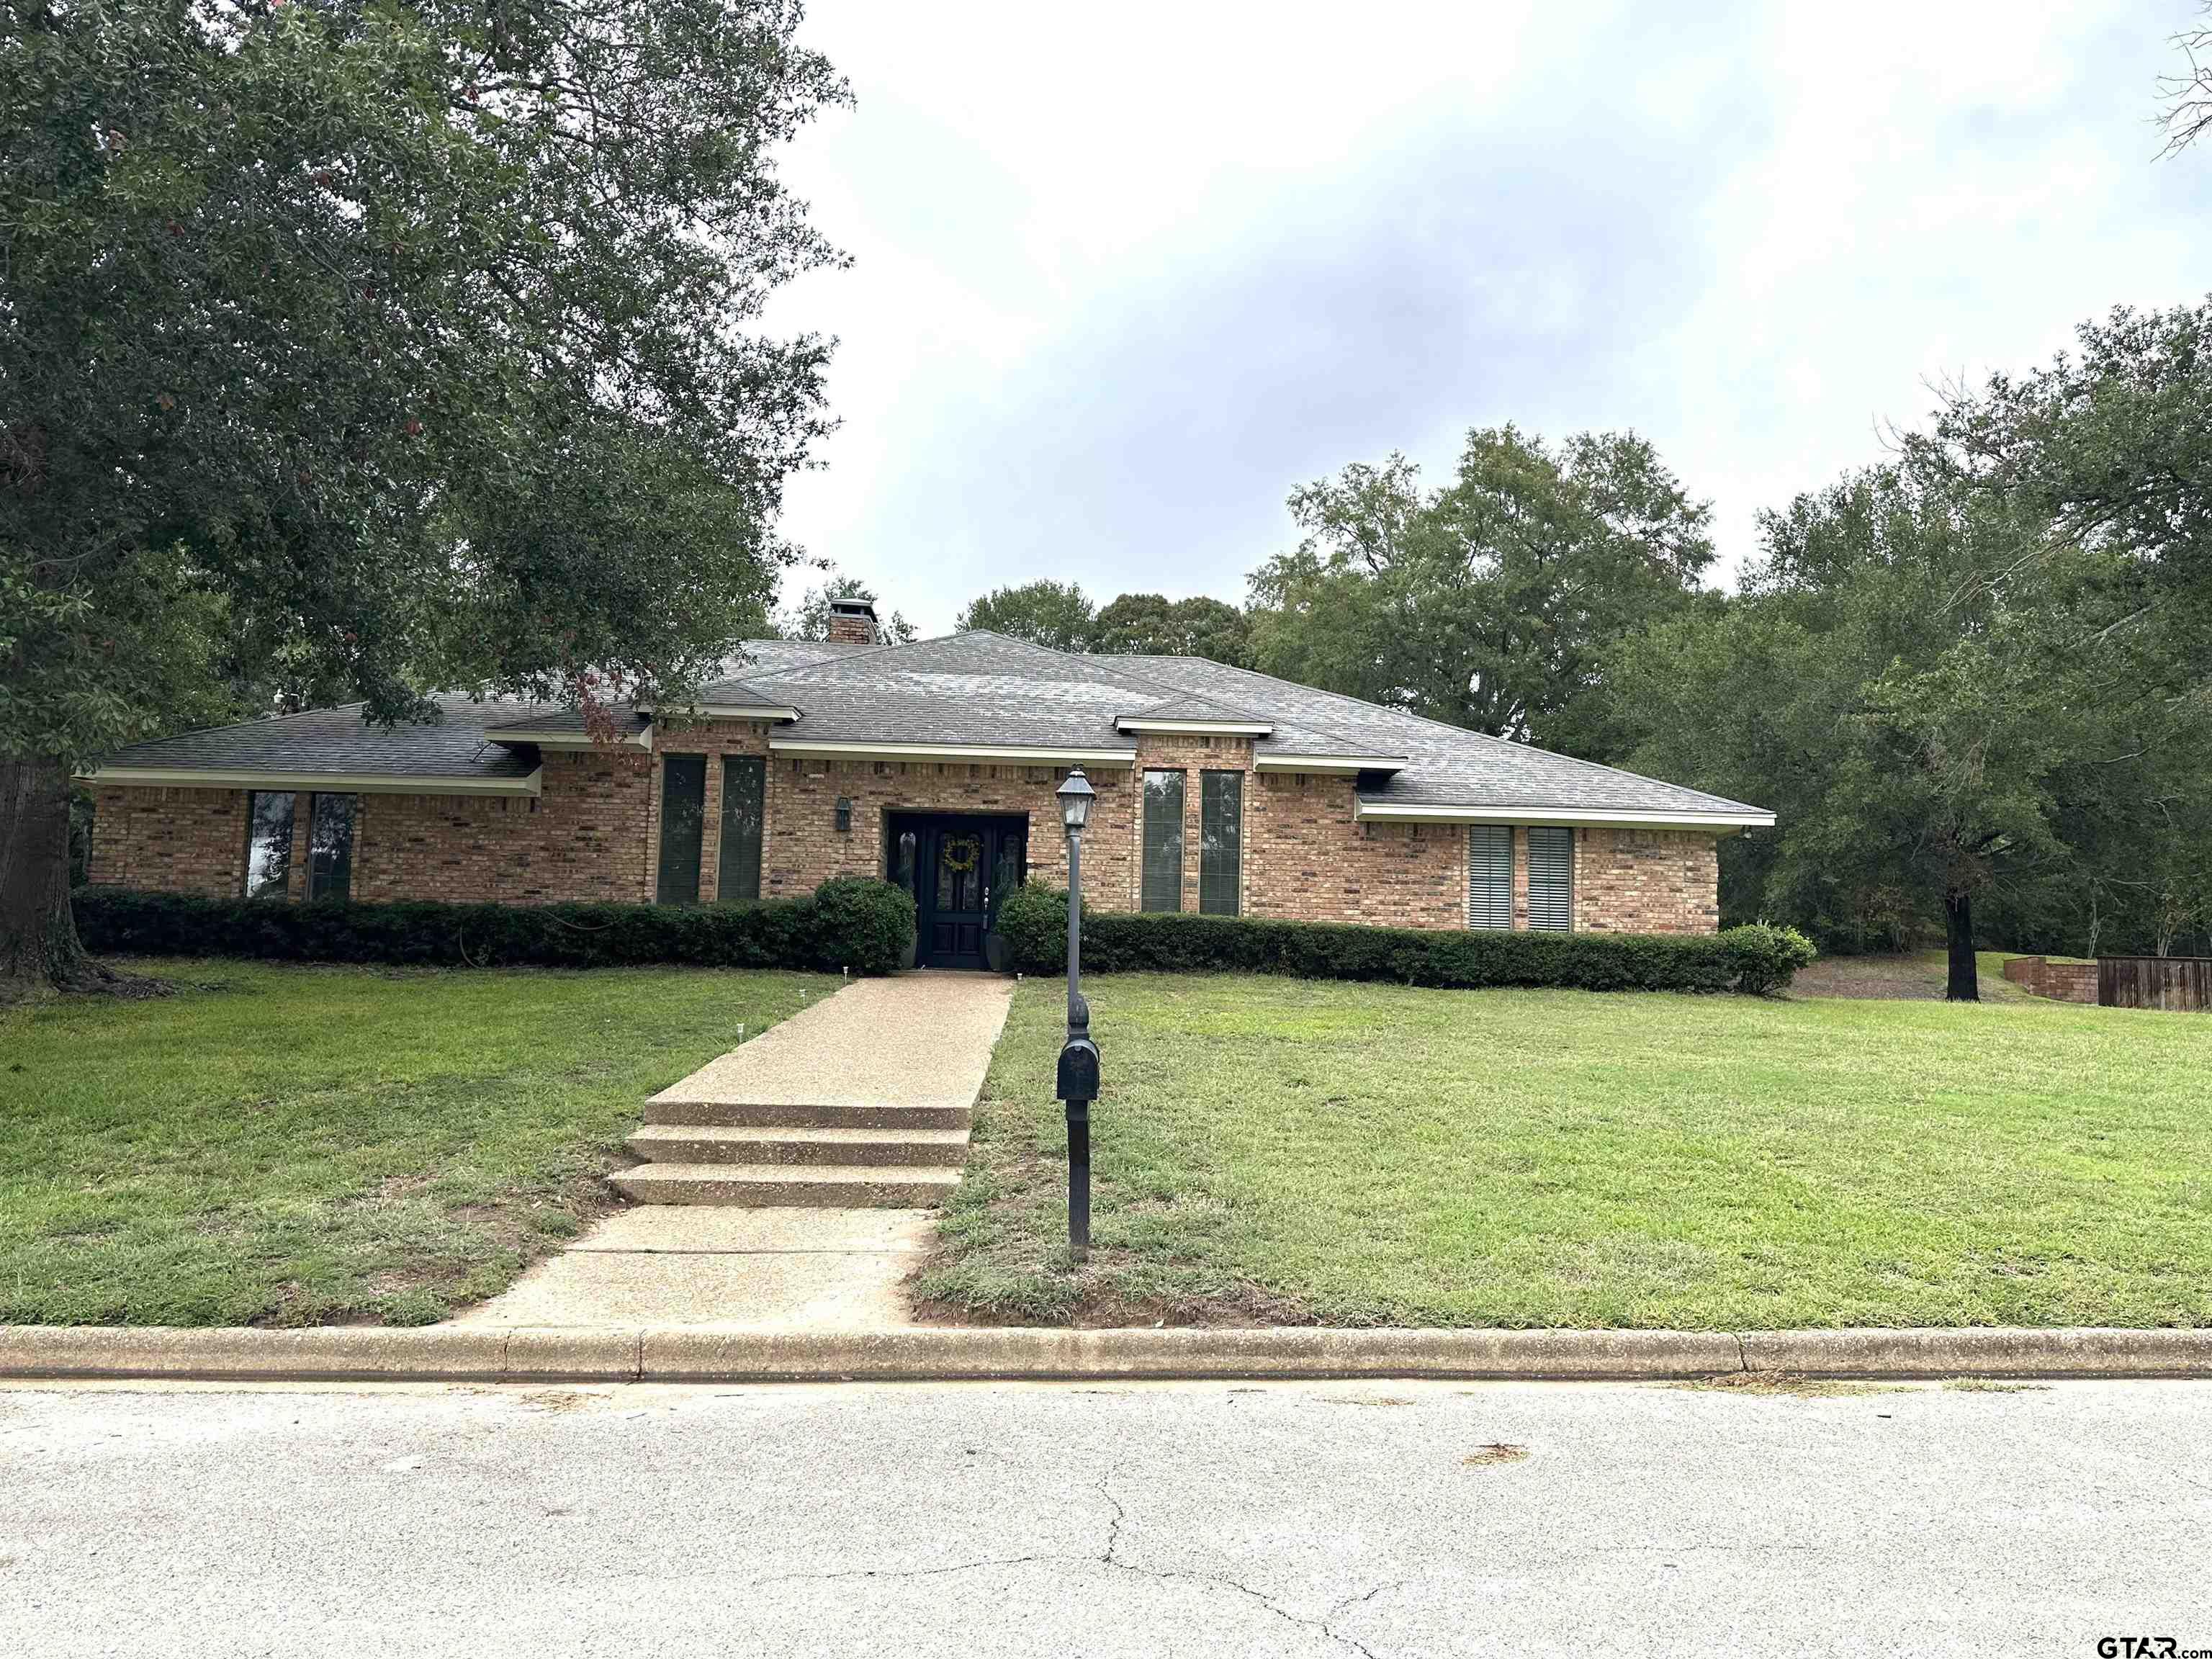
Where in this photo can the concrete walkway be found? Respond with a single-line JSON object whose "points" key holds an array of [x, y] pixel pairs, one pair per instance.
{"points": [[796, 1165], [861, 1100]]}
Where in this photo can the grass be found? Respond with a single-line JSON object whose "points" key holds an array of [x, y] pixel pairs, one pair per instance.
{"points": [[1270, 1150], [288, 1144]]}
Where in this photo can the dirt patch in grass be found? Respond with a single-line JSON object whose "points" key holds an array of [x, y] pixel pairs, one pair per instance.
{"points": [[1494, 1454], [1920, 976], [1993, 1385], [1788, 1384]]}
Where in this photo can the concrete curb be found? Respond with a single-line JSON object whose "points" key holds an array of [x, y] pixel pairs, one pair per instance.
{"points": [[699, 1354]]}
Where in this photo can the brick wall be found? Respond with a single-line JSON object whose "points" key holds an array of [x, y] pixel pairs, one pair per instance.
{"points": [[594, 833], [803, 847], [173, 841], [1644, 881], [2062, 982], [585, 837], [1306, 860]]}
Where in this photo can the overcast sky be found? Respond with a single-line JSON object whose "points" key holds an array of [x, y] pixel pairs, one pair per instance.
{"points": [[1124, 277]]}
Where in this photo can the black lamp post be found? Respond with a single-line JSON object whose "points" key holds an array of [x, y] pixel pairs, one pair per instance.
{"points": [[1079, 1055]]}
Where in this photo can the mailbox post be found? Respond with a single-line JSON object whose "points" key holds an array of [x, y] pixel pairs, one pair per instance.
{"points": [[1079, 1055]]}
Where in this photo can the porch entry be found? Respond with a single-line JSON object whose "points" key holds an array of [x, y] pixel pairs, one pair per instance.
{"points": [[959, 867]]}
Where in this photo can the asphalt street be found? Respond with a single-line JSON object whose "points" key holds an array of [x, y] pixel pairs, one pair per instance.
{"points": [[1207, 1519]]}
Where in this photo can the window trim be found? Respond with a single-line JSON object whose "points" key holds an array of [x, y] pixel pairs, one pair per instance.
{"points": [[733, 762], [284, 887], [352, 825], [1144, 836], [662, 866], [1206, 781]]}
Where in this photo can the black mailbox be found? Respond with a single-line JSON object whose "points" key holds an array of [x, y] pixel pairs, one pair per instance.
{"points": [[1079, 1070]]}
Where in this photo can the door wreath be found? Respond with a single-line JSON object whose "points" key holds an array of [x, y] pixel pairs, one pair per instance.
{"points": [[962, 856]]}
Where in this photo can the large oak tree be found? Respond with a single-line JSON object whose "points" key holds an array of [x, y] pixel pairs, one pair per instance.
{"points": [[391, 346]]}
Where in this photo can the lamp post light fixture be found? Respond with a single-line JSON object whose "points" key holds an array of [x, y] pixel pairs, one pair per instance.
{"points": [[1079, 1055]]}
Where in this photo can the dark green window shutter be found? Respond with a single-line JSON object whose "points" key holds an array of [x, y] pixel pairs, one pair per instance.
{"points": [[1490, 876], [683, 822], [1551, 878], [1221, 840], [329, 847], [745, 792], [1163, 865]]}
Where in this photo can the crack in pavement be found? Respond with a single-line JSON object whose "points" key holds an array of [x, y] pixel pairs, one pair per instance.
{"points": [[903, 1572], [1110, 1557]]}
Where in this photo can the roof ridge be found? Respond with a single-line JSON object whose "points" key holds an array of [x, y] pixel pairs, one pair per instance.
{"points": [[854, 654]]}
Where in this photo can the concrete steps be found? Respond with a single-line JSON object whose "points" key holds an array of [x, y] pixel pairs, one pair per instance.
{"points": [[668, 1143], [792, 1114], [860, 1100], [812, 1186]]}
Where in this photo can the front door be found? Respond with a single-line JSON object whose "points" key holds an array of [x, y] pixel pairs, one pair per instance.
{"points": [[959, 870]]}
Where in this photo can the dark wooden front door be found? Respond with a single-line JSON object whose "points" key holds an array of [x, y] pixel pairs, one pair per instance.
{"points": [[959, 870]]}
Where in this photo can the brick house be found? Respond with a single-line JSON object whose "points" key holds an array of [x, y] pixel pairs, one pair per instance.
{"points": [[933, 764]]}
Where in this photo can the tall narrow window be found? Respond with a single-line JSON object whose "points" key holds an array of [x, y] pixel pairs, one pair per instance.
{"points": [[1162, 866], [268, 843], [745, 787], [1551, 878], [683, 819], [1221, 840], [329, 847], [1490, 876]]}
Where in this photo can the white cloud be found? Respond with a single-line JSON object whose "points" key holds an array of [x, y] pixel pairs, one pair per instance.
{"points": [[1123, 278]]}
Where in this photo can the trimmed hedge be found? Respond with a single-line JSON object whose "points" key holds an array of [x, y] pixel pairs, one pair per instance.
{"points": [[1757, 960], [851, 922]]}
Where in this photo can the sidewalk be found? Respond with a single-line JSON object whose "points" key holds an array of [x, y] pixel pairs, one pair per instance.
{"points": [[797, 1163]]}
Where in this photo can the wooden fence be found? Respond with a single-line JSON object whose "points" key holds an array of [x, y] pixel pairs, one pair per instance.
{"points": [[2181, 982]]}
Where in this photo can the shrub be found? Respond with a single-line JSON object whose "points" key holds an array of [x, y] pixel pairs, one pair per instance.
{"points": [[1033, 925], [1755, 960], [850, 922]]}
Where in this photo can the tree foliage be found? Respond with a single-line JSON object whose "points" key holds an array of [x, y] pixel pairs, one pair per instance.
{"points": [[1493, 602], [1921, 679], [1058, 615], [387, 348], [809, 619]]}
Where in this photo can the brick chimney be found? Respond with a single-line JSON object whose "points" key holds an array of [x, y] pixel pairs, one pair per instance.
{"points": [[852, 622]]}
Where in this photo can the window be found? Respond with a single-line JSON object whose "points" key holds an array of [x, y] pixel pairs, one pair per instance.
{"points": [[682, 820], [1162, 866], [1221, 840], [1552, 879], [745, 785], [1490, 876], [268, 844], [330, 847]]}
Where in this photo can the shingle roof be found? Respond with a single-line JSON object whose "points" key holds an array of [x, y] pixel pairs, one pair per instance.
{"points": [[988, 692], [339, 741], [1446, 766]]}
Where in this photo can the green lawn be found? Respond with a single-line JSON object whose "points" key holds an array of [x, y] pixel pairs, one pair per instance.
{"points": [[286, 1145], [1274, 1150]]}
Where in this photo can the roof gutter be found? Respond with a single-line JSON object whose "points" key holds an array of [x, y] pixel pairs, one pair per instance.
{"points": [[640, 739], [980, 754], [1204, 728], [723, 711], [1599, 818], [1333, 765], [349, 783]]}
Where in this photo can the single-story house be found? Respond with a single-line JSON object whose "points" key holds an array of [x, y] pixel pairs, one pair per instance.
{"points": [[933, 764]]}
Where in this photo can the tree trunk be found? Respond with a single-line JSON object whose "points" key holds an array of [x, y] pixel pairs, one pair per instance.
{"points": [[38, 947], [1964, 984]]}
